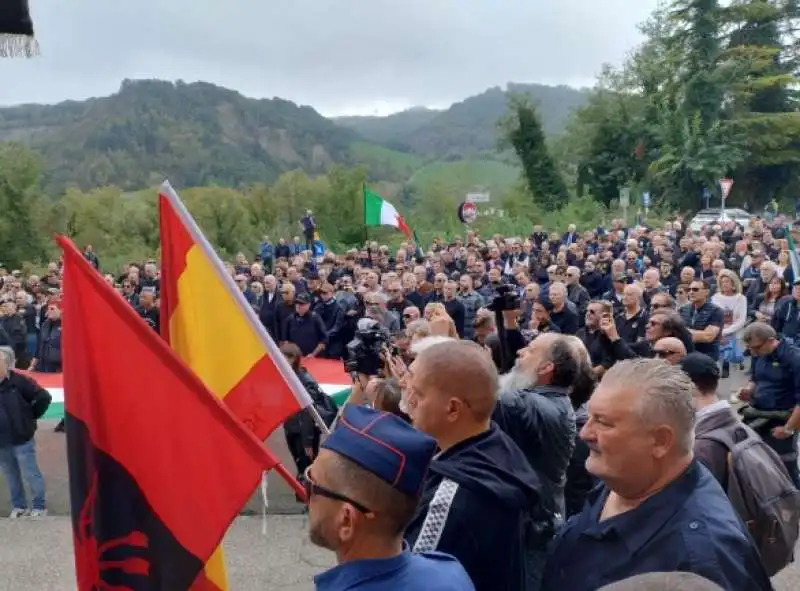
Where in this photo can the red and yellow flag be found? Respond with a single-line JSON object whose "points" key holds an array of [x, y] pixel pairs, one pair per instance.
{"points": [[158, 466], [209, 324]]}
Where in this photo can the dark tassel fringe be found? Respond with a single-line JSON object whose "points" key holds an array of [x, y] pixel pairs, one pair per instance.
{"points": [[18, 46]]}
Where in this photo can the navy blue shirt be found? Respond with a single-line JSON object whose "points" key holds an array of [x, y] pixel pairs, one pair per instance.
{"points": [[688, 526], [777, 378], [432, 571], [701, 318]]}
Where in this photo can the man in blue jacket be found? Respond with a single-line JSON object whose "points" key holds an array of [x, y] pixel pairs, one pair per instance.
{"points": [[481, 499], [362, 491], [660, 510]]}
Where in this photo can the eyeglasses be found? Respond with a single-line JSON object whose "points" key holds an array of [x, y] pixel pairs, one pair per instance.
{"points": [[313, 488], [664, 353], [658, 306], [695, 289]]}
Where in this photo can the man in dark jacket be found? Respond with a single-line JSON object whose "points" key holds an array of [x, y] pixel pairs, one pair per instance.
{"points": [[481, 499], [655, 494], [305, 329], [48, 348], [22, 403], [269, 306], [534, 409], [332, 315]]}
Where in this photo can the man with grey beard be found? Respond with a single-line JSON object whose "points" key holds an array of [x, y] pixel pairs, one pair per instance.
{"points": [[534, 409]]}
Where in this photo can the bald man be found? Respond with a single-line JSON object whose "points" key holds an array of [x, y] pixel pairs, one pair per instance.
{"points": [[670, 349], [480, 500]]}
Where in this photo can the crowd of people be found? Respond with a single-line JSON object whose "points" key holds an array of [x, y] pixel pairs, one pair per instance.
{"points": [[540, 397]]}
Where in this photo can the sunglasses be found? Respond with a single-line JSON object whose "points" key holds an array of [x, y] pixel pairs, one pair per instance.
{"points": [[658, 306], [313, 488], [664, 353], [695, 289]]}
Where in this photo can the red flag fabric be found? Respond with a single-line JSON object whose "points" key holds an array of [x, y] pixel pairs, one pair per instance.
{"points": [[158, 466]]}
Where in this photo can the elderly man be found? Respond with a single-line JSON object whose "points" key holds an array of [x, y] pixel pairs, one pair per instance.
{"points": [[670, 349], [774, 389], [22, 403], [562, 315], [660, 509], [480, 500], [363, 489], [534, 409]]}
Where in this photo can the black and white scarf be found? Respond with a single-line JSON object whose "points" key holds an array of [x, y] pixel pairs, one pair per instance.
{"points": [[16, 30]]}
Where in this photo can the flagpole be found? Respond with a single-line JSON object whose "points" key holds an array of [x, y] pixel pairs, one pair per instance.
{"points": [[275, 354]]}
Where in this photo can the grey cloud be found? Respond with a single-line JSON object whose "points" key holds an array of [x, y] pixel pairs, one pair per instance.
{"points": [[336, 55]]}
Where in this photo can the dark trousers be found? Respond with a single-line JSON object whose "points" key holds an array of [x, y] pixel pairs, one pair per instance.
{"points": [[295, 443]]}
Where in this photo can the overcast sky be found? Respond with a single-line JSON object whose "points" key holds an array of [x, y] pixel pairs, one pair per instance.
{"points": [[340, 56]]}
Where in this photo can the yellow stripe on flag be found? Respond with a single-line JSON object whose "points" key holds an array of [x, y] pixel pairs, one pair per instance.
{"points": [[215, 570], [207, 329]]}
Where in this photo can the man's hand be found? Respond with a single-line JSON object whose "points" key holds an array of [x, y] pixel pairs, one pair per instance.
{"points": [[609, 328], [744, 394], [781, 433]]}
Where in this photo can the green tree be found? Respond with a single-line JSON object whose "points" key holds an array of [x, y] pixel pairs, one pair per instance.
{"points": [[522, 130], [21, 238]]}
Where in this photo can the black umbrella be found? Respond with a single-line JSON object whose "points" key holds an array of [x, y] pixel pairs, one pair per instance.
{"points": [[16, 30]]}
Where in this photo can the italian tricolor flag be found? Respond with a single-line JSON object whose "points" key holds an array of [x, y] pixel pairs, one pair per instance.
{"points": [[379, 212]]}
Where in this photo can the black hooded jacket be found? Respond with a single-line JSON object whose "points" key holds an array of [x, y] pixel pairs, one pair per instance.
{"points": [[481, 503]]}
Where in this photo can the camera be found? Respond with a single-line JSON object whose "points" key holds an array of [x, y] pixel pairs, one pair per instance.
{"points": [[364, 351], [506, 299]]}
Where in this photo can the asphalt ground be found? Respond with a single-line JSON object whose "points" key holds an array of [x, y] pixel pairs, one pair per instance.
{"points": [[37, 555]]}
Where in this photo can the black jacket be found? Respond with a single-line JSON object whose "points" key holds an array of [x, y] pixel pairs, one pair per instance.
{"points": [[267, 313], [48, 347], [541, 421], [333, 318], [22, 403], [480, 502]]}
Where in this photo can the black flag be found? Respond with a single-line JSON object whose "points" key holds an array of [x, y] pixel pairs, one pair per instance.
{"points": [[16, 30]]}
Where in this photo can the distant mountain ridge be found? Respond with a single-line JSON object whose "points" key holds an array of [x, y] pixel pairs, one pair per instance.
{"points": [[200, 134], [468, 127]]}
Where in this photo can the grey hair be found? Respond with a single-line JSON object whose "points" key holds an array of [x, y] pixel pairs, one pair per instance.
{"points": [[8, 357], [428, 342], [419, 328], [759, 330], [666, 395]]}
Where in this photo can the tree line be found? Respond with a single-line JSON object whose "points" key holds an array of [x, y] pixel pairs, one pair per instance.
{"points": [[710, 93]]}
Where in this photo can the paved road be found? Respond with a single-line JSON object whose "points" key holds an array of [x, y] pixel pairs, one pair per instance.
{"points": [[37, 556]]}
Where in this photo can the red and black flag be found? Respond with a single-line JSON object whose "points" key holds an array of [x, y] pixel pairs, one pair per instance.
{"points": [[16, 29], [158, 466]]}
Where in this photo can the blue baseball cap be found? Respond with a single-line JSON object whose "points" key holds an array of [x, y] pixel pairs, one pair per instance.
{"points": [[384, 445]]}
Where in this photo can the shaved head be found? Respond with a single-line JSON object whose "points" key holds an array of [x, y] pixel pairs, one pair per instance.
{"points": [[459, 369]]}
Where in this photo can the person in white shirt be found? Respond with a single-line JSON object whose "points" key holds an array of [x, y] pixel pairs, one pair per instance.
{"points": [[730, 298]]}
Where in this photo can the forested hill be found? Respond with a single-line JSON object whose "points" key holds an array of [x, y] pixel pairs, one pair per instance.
{"points": [[200, 134], [468, 127], [196, 134]]}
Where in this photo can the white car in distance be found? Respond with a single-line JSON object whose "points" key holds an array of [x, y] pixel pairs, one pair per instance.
{"points": [[715, 215]]}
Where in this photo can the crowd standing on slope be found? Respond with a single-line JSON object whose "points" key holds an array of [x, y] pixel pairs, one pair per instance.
{"points": [[581, 420]]}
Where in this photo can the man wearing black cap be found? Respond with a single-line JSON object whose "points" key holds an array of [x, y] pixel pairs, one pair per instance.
{"points": [[363, 489], [304, 328], [712, 413]]}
